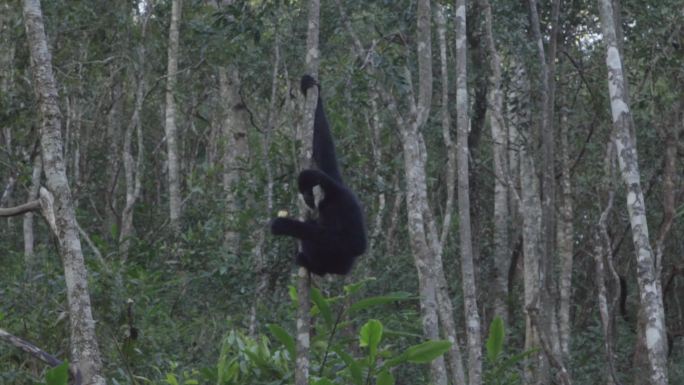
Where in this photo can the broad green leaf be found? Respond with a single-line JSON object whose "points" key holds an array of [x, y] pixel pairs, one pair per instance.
{"points": [[256, 359], [385, 378], [171, 379], [370, 336], [284, 337], [496, 339], [292, 290], [323, 306], [353, 365], [59, 375], [427, 351], [380, 300]]}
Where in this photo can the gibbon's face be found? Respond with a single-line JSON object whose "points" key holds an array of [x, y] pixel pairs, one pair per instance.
{"points": [[319, 195]]}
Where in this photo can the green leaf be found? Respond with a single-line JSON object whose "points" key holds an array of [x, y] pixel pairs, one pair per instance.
{"points": [[385, 378], [59, 375], [353, 365], [370, 336], [323, 306], [496, 339], [292, 290], [284, 337], [380, 300], [427, 351], [171, 379]]}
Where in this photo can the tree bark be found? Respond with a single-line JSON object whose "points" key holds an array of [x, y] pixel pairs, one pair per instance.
{"points": [[260, 254], [113, 138], [472, 318], [305, 158], [170, 118], [444, 306], [602, 249], [236, 150], [528, 203], [446, 125], [29, 238], [648, 269], [565, 241], [499, 155], [416, 187], [84, 348], [532, 248], [133, 167]]}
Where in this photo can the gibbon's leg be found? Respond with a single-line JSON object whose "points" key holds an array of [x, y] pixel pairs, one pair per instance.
{"points": [[312, 264], [323, 144]]}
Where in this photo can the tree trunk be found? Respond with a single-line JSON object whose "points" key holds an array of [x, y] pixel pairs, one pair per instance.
{"points": [[236, 150], [260, 254], [648, 269], [446, 125], [444, 305], [532, 247], [499, 144], [565, 242], [603, 249], [416, 195], [472, 318], [170, 119], [305, 158], [133, 168], [416, 188], [29, 238], [84, 348], [113, 138]]}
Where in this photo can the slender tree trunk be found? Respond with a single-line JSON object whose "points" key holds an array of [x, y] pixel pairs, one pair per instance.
{"points": [[29, 238], [113, 138], [133, 168], [424, 258], [375, 125], [499, 155], [260, 254], [445, 307], [84, 348], [648, 268], [472, 318], [528, 203], [72, 142], [416, 188], [548, 299], [7, 52], [235, 154], [565, 242], [532, 248], [446, 125], [305, 158], [602, 250], [170, 118]]}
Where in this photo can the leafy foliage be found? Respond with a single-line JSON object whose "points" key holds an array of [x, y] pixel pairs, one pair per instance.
{"points": [[192, 297]]}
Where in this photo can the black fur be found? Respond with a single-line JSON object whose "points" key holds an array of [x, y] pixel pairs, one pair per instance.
{"points": [[331, 243]]}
